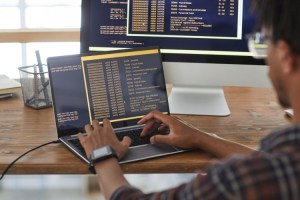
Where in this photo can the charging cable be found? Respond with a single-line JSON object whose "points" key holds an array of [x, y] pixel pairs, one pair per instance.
{"points": [[12, 163]]}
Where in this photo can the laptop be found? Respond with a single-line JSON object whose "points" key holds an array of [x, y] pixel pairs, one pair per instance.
{"points": [[121, 86]]}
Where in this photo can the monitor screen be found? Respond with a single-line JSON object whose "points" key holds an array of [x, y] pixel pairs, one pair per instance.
{"points": [[206, 31], [203, 43]]}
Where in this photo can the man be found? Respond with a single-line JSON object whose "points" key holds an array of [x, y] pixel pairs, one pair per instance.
{"points": [[272, 172]]}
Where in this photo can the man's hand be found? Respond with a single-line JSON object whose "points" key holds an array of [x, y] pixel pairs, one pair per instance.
{"points": [[98, 136], [181, 135]]}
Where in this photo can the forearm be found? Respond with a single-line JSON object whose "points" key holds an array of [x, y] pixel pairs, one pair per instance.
{"points": [[110, 176], [220, 147], [212, 143]]}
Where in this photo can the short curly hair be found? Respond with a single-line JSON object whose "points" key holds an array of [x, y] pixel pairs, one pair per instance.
{"points": [[282, 18]]}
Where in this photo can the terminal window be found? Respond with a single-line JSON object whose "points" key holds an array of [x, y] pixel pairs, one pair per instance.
{"points": [[184, 18], [124, 86]]}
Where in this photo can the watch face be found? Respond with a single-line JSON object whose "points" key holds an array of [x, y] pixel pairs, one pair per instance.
{"points": [[101, 152]]}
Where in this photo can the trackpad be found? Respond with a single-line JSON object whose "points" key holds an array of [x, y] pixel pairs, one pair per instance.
{"points": [[148, 151]]}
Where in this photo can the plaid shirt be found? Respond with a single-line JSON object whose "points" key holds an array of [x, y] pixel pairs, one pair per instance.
{"points": [[271, 173]]}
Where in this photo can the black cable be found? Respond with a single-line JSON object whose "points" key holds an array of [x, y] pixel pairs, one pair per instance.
{"points": [[11, 164]]}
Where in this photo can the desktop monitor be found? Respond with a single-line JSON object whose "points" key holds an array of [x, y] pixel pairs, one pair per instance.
{"points": [[194, 36]]}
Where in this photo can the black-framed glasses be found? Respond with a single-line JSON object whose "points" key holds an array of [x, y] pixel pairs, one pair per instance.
{"points": [[257, 44]]}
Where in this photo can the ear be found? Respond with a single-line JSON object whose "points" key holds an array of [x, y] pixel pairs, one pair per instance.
{"points": [[286, 56]]}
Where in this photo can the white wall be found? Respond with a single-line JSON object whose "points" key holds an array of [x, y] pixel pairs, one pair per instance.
{"points": [[216, 74]]}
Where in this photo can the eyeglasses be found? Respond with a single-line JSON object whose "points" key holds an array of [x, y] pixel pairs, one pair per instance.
{"points": [[257, 44]]}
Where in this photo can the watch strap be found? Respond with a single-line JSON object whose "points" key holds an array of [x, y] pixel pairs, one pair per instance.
{"points": [[101, 154]]}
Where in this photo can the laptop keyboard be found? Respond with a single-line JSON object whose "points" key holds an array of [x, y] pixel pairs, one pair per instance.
{"points": [[75, 142], [136, 139]]}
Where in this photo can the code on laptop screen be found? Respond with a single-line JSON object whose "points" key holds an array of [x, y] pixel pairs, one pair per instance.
{"points": [[120, 86], [123, 85]]}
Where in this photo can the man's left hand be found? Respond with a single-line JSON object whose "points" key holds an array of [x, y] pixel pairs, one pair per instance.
{"points": [[99, 136]]}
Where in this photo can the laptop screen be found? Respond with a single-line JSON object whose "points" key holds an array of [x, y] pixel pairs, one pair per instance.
{"points": [[121, 86]]}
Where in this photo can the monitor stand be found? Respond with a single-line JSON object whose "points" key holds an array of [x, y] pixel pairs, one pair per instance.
{"points": [[198, 101]]}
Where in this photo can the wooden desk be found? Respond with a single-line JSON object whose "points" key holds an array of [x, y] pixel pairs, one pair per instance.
{"points": [[254, 113]]}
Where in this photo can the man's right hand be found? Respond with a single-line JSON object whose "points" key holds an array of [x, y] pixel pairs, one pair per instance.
{"points": [[181, 134], [185, 136]]}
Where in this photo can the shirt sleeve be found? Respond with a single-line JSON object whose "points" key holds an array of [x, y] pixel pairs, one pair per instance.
{"points": [[240, 177], [201, 187], [126, 192]]}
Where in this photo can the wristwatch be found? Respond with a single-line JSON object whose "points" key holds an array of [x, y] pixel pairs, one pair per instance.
{"points": [[100, 154]]}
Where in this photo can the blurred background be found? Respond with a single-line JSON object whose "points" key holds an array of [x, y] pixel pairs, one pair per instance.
{"points": [[50, 26], [78, 187]]}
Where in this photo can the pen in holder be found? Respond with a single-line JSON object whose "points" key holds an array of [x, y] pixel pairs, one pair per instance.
{"points": [[35, 86]]}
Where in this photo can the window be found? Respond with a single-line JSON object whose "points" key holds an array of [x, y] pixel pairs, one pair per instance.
{"points": [[30, 25]]}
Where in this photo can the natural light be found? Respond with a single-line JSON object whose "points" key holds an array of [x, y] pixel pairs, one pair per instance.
{"points": [[26, 15]]}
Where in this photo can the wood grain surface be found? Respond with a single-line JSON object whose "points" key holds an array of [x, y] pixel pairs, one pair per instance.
{"points": [[254, 113]]}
